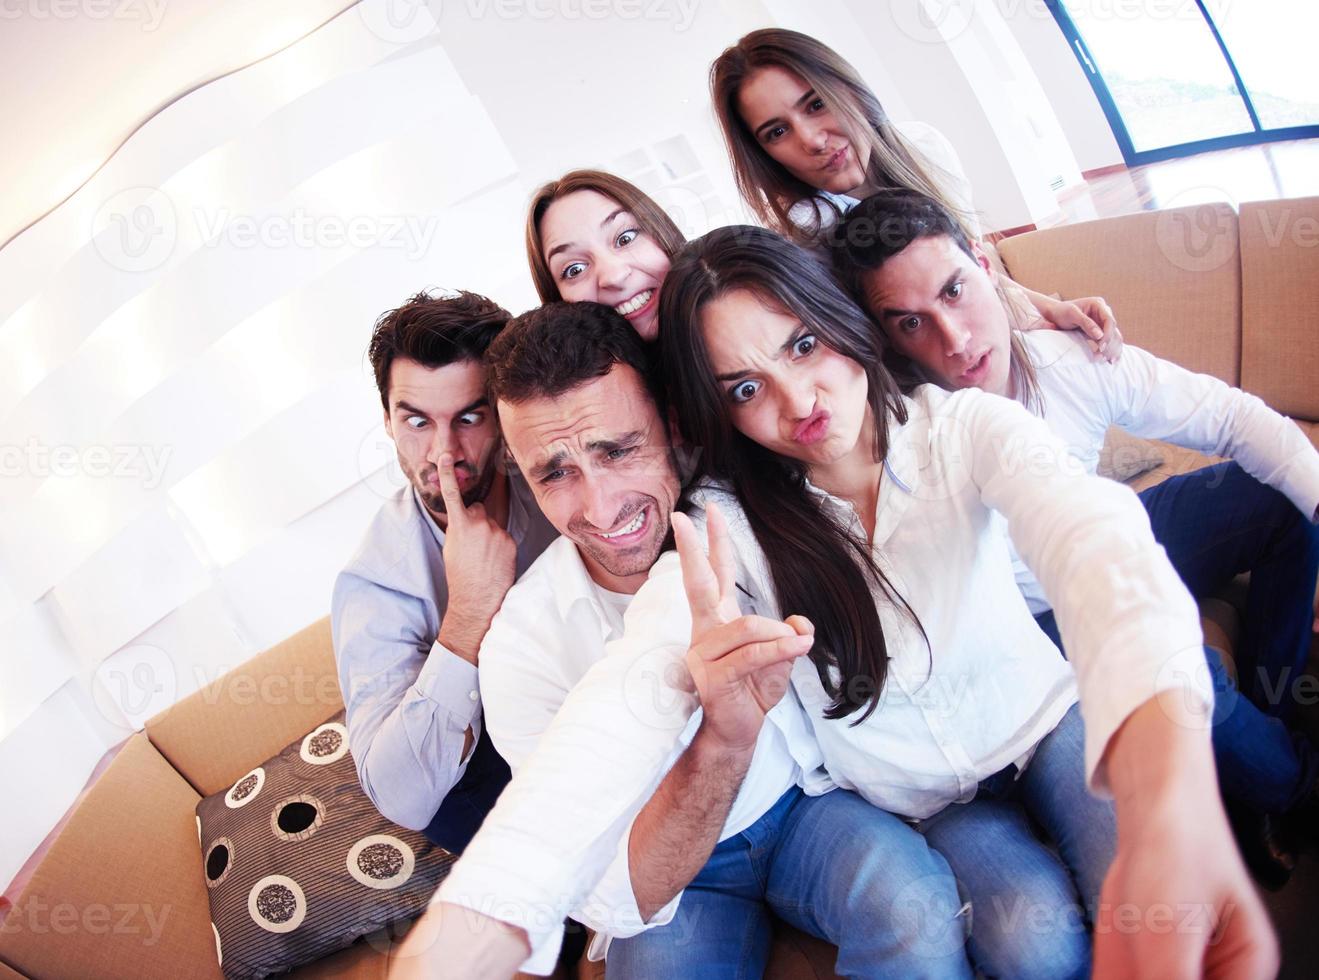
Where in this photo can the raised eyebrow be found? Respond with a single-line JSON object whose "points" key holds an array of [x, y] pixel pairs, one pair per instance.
{"points": [[402, 406], [806, 97], [482, 402], [889, 312], [801, 331], [567, 245], [622, 442]]}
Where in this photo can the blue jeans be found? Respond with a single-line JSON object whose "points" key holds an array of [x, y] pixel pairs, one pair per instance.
{"points": [[831, 865], [1031, 905], [1214, 524]]}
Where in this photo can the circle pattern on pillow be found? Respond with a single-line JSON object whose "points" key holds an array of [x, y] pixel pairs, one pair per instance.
{"points": [[381, 861], [296, 818], [326, 744], [276, 903], [313, 865], [246, 789], [219, 860]]}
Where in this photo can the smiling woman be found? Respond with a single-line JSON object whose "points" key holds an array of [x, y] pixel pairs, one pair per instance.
{"points": [[595, 237]]}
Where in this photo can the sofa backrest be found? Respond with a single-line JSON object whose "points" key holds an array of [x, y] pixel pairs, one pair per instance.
{"points": [[1173, 279], [1280, 304], [215, 735]]}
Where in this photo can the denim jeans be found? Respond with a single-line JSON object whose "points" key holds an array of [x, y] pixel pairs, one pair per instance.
{"points": [[831, 865], [1032, 906], [1214, 524]]}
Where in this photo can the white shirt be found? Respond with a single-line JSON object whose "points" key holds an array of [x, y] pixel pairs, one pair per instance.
{"points": [[811, 214], [991, 685], [556, 842], [1156, 399]]}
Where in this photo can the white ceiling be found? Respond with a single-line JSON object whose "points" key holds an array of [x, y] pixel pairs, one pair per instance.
{"points": [[77, 78]]}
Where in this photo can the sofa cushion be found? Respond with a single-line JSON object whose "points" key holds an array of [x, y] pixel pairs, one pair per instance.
{"points": [[1172, 277], [1280, 303], [220, 732], [299, 862], [118, 893]]}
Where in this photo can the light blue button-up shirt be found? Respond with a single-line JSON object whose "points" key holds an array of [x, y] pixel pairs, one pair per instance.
{"points": [[409, 699]]}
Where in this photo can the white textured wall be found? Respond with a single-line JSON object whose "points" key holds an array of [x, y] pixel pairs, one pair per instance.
{"points": [[190, 443]]}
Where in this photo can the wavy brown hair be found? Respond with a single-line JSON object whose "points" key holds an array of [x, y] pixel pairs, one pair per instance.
{"points": [[650, 216], [764, 183], [819, 568]]}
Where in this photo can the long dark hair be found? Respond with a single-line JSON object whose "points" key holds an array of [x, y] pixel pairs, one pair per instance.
{"points": [[765, 184], [819, 569]]}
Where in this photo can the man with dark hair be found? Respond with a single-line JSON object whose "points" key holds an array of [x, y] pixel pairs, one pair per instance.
{"points": [[715, 817], [935, 296], [411, 608]]}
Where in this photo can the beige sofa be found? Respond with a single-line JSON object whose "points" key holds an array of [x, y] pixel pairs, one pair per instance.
{"points": [[120, 891]]}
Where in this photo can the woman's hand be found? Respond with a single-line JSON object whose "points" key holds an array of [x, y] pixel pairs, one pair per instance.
{"points": [[1093, 317]]}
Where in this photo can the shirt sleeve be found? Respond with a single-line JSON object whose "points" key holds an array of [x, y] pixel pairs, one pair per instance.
{"points": [[1130, 627], [410, 701], [1156, 399], [556, 841]]}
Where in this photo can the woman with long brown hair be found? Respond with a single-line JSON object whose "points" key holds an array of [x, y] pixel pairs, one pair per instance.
{"points": [[807, 139], [595, 237]]}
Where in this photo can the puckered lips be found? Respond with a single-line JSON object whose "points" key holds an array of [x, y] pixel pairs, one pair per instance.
{"points": [[812, 429]]}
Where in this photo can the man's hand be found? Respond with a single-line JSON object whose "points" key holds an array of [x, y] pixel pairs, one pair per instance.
{"points": [[480, 561], [739, 664], [1177, 902]]}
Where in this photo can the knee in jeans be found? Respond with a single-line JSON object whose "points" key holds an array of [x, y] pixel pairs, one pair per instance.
{"points": [[1050, 945]]}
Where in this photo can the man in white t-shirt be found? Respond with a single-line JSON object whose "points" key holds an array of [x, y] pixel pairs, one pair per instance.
{"points": [[933, 292]]}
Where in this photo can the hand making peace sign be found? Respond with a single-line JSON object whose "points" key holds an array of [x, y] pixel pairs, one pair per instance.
{"points": [[739, 664]]}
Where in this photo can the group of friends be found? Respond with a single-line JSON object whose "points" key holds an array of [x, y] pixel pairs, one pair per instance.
{"points": [[768, 575]]}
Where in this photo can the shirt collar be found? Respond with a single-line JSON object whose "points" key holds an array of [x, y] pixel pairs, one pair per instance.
{"points": [[573, 584], [897, 487]]}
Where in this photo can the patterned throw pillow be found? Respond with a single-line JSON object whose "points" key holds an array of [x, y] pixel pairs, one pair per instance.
{"points": [[299, 863]]}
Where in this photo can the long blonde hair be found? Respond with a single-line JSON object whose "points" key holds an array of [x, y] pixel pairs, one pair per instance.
{"points": [[650, 216], [765, 184]]}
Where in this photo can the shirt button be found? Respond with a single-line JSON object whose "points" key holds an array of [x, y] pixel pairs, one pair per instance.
{"points": [[472, 695]]}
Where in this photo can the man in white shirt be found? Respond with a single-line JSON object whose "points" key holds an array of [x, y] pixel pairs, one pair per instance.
{"points": [[934, 294], [738, 812]]}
